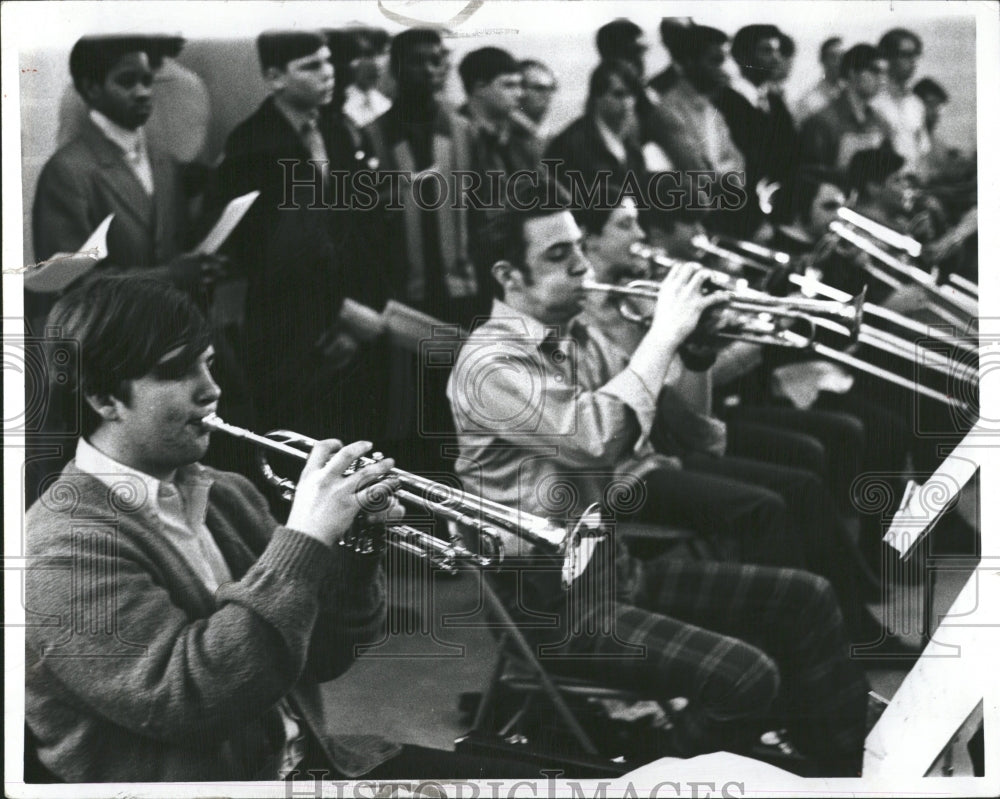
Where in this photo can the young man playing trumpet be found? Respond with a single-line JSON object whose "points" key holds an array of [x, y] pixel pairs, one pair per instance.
{"points": [[551, 416], [181, 633]]}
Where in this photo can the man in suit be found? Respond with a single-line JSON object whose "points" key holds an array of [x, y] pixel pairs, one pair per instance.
{"points": [[301, 246], [759, 122], [109, 168]]}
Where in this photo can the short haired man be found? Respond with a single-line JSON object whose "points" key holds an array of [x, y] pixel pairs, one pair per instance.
{"points": [[850, 123], [623, 40], [699, 138], [206, 627], [363, 101], [302, 259], [538, 86], [897, 103], [758, 119], [827, 89], [110, 168], [939, 157], [548, 415], [673, 32]]}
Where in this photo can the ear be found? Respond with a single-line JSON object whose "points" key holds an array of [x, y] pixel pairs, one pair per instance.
{"points": [[274, 78], [507, 275], [91, 89], [104, 405]]}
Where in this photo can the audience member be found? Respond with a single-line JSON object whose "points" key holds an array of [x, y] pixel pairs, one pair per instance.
{"points": [[897, 103], [179, 122], [300, 261], [363, 101], [759, 122], [539, 85], [826, 89], [849, 124]]}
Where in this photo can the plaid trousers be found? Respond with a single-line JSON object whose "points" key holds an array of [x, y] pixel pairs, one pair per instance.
{"points": [[746, 645]]}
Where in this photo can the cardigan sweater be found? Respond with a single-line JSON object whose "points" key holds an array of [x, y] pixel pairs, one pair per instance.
{"points": [[136, 672]]}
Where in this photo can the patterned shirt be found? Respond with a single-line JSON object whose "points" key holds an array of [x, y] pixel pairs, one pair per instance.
{"points": [[548, 420]]}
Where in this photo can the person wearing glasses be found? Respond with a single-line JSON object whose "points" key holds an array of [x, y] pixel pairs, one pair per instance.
{"points": [[539, 86], [898, 103]]}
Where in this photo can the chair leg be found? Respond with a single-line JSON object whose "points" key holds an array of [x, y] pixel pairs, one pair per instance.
{"points": [[550, 689]]}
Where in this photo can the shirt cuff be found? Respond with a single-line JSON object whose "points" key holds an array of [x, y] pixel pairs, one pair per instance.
{"points": [[632, 390]]}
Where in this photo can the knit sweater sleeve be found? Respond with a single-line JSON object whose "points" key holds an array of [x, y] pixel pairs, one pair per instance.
{"points": [[118, 642]]}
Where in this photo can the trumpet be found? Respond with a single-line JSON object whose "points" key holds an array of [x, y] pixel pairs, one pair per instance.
{"points": [[495, 525], [748, 315]]}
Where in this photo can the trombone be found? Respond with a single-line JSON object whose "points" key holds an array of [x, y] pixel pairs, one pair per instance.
{"points": [[495, 525], [950, 303]]}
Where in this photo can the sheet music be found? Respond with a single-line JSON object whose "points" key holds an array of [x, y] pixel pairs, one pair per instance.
{"points": [[922, 506], [63, 269], [230, 218]]}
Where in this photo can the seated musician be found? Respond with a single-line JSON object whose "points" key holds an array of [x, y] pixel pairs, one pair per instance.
{"points": [[188, 631], [550, 418], [762, 450]]}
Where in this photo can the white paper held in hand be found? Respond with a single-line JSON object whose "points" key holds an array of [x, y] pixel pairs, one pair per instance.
{"points": [[227, 223], [63, 269]]}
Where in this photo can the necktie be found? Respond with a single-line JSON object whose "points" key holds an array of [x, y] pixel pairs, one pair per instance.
{"points": [[313, 141], [138, 161]]}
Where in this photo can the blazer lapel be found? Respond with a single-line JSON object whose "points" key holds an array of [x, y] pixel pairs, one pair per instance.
{"points": [[118, 179]]}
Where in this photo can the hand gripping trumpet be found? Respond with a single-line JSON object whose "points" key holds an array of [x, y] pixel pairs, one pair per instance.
{"points": [[491, 521], [748, 315]]}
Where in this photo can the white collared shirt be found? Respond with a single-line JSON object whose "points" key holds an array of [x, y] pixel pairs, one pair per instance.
{"points": [[180, 507], [756, 95], [132, 143], [364, 107]]}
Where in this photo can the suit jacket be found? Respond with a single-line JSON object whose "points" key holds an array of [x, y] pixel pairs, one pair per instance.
{"points": [[581, 148], [301, 259], [86, 180]]}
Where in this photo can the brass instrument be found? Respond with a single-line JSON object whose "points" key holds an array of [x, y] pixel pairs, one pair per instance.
{"points": [[949, 303], [748, 315], [491, 521]]}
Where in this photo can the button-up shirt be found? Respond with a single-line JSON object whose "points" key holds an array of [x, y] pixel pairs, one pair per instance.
{"points": [[548, 420], [904, 112], [180, 507], [364, 107], [133, 146]]}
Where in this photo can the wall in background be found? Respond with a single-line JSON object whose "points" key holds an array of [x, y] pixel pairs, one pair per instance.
{"points": [[221, 49]]}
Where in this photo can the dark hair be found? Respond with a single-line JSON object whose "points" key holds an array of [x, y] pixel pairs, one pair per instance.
{"points": [[829, 44], [805, 187], [484, 65], [531, 63], [925, 88], [889, 44], [368, 40], [503, 235], [276, 48], [859, 58], [93, 57], [697, 40], [122, 327], [403, 42], [672, 33], [872, 166], [746, 38], [617, 39], [600, 81], [786, 44]]}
